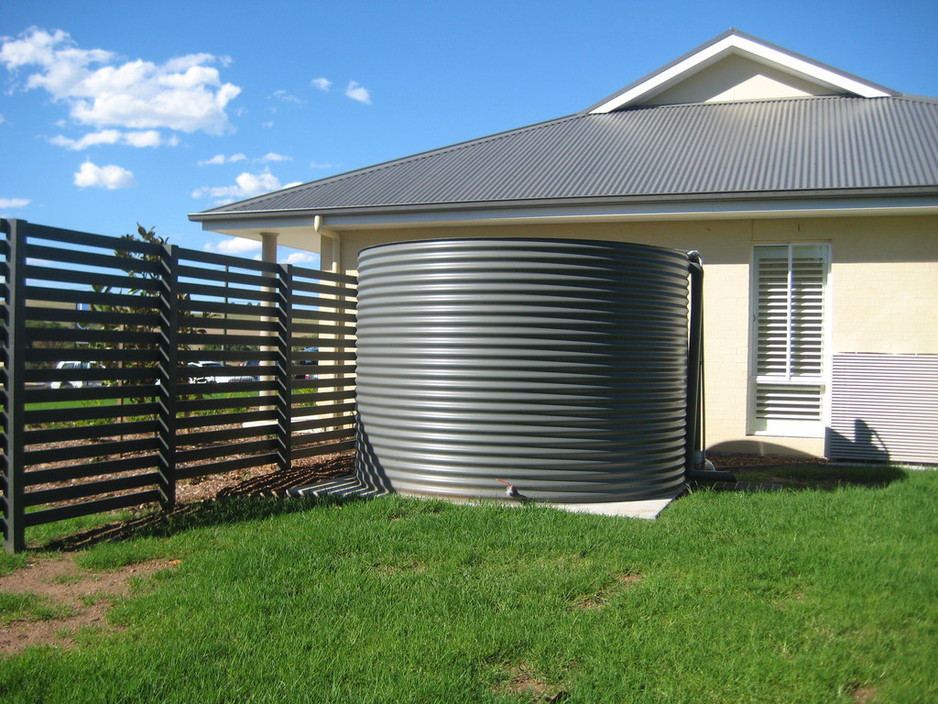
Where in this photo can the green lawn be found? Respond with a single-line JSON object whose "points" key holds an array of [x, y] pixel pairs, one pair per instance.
{"points": [[806, 595]]}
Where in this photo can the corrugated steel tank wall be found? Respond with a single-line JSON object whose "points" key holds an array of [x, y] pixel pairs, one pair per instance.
{"points": [[557, 365]]}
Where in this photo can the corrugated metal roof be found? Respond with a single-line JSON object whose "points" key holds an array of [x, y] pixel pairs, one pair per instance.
{"points": [[797, 145]]}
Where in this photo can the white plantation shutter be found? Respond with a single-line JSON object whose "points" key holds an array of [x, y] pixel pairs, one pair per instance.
{"points": [[789, 282]]}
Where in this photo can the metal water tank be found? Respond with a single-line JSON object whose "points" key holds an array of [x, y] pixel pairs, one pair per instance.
{"points": [[558, 366]]}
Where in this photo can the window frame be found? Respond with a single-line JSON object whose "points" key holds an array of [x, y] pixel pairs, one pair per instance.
{"points": [[756, 425]]}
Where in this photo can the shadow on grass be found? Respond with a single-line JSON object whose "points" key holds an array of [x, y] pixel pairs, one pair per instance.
{"points": [[163, 524], [821, 477], [236, 507]]}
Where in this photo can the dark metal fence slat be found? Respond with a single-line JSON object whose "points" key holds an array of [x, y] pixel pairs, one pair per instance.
{"points": [[331, 395], [82, 471], [95, 317], [90, 432], [64, 295], [214, 404], [325, 302], [328, 289], [193, 321], [186, 423], [87, 451], [230, 277], [82, 491], [300, 426], [15, 355], [227, 435], [197, 255], [284, 406], [222, 466], [347, 280], [94, 259], [319, 438], [79, 336], [315, 450], [217, 339], [87, 413], [336, 317], [194, 289], [114, 503], [245, 448], [90, 278], [169, 363], [91, 393], [109, 242]]}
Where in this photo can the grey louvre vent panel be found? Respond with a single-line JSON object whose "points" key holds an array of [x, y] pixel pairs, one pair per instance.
{"points": [[747, 148], [884, 407], [558, 366]]}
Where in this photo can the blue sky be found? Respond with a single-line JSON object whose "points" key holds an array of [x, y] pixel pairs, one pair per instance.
{"points": [[145, 112]]}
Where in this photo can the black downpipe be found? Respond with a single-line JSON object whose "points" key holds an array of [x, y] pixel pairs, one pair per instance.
{"points": [[695, 373], [694, 359]]}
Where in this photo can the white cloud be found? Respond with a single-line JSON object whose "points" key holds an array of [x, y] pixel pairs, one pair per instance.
{"points": [[315, 165], [285, 97], [301, 258], [321, 83], [238, 246], [184, 94], [14, 202], [219, 159], [2, 119], [111, 177], [148, 138], [273, 156], [246, 185], [357, 91], [268, 124]]}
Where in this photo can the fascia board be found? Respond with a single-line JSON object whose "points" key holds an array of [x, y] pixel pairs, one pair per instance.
{"points": [[688, 210], [746, 47]]}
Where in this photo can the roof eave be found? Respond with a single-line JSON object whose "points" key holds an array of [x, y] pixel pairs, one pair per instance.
{"points": [[852, 195]]}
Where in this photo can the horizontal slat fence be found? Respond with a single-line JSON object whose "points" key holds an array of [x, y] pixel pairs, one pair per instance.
{"points": [[136, 410]]}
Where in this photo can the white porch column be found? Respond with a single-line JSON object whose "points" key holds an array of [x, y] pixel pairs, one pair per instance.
{"points": [[269, 247]]}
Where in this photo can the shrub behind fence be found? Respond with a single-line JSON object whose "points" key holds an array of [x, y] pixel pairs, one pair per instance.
{"points": [[137, 412]]}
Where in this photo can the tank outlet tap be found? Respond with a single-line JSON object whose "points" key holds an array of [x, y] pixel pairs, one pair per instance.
{"points": [[510, 489]]}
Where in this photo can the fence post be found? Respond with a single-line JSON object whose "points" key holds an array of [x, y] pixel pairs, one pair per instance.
{"points": [[284, 366], [168, 354], [15, 378]]}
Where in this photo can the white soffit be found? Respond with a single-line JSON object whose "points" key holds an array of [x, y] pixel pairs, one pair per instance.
{"points": [[747, 47]]}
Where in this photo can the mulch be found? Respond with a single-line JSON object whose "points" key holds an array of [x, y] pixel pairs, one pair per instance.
{"points": [[744, 461]]}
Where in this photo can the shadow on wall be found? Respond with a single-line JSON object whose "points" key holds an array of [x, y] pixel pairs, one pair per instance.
{"points": [[758, 448], [866, 445]]}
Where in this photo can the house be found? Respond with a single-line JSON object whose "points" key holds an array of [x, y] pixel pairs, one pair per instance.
{"points": [[812, 195]]}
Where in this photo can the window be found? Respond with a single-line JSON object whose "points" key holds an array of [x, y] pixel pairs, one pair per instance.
{"points": [[788, 366]]}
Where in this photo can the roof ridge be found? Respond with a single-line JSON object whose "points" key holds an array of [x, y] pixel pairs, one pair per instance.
{"points": [[753, 101], [918, 98]]}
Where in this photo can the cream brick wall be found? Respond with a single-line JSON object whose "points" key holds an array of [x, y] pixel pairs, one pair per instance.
{"points": [[883, 293]]}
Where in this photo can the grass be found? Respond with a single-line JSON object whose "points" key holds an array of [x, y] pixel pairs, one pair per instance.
{"points": [[28, 606], [795, 596]]}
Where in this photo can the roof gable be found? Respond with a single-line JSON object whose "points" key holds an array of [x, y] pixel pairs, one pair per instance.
{"points": [[737, 66]]}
